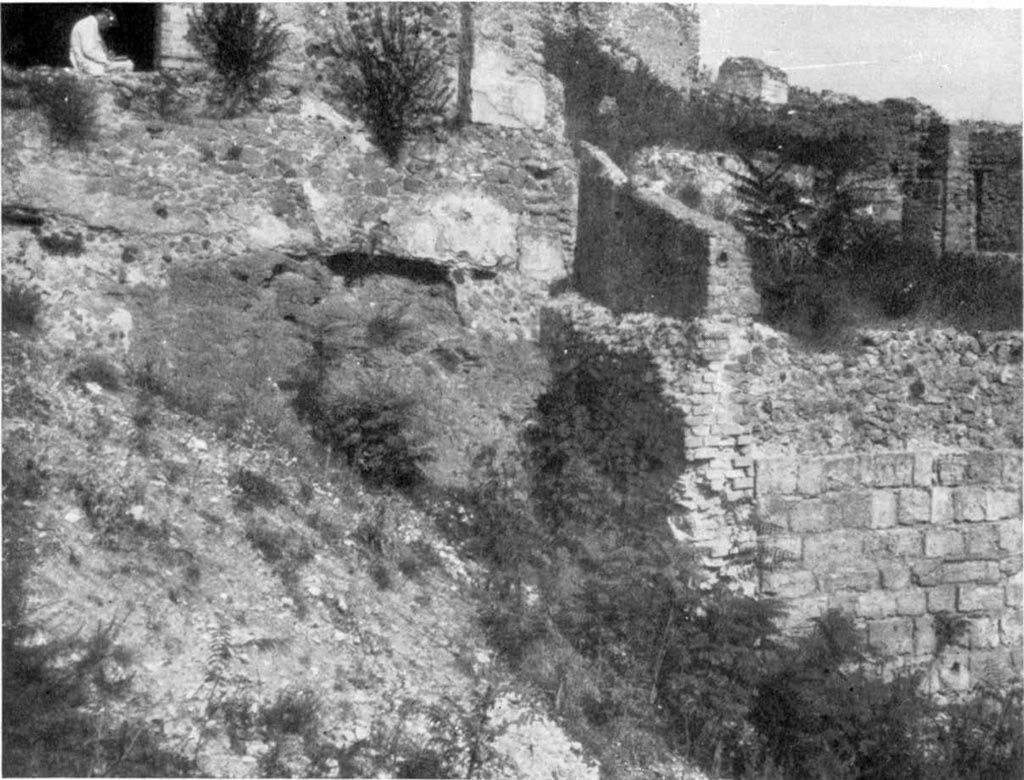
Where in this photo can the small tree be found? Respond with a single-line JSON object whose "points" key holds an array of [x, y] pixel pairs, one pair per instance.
{"points": [[241, 44], [399, 81]]}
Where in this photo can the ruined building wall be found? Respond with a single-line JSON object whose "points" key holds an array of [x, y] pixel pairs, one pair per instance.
{"points": [[664, 36], [995, 159], [750, 78], [639, 250], [884, 480], [903, 541]]}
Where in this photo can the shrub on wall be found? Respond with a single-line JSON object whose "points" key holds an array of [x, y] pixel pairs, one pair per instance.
{"points": [[70, 107], [240, 43], [393, 73]]}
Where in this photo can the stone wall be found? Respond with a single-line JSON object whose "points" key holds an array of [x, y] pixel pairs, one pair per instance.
{"points": [[750, 78], [905, 542], [639, 250], [892, 390], [995, 158], [752, 442], [173, 50], [664, 36]]}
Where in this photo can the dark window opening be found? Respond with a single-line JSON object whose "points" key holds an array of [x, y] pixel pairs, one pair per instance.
{"points": [[979, 207], [40, 33]]}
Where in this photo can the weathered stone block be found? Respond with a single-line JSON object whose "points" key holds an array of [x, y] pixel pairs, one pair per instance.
{"points": [[926, 572], [856, 580], [924, 469], [951, 468], [856, 508], [984, 633], [815, 515], [776, 475], [891, 637], [991, 664], [810, 477], [1003, 504], [785, 548], [503, 97], [1013, 469], [889, 469], [876, 604], [969, 504], [970, 571], [840, 473], [982, 541], [895, 575], [541, 256], [941, 598], [895, 542], [924, 635], [1011, 629], [776, 510], [794, 584], [911, 602], [835, 549], [883, 509], [944, 543], [984, 467], [975, 598], [942, 505], [915, 506], [1015, 592]]}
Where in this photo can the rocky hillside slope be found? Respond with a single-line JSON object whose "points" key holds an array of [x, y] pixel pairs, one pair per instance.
{"points": [[192, 583]]}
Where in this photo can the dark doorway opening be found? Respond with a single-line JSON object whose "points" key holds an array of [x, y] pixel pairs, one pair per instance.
{"points": [[39, 33]]}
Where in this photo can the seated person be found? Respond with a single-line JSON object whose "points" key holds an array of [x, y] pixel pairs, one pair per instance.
{"points": [[88, 52]]}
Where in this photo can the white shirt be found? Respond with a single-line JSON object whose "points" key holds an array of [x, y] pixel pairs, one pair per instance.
{"points": [[88, 53]]}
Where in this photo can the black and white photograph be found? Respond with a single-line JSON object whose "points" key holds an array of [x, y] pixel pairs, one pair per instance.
{"points": [[512, 391]]}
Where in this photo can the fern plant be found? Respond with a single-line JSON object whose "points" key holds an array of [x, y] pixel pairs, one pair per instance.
{"points": [[240, 43], [393, 73]]}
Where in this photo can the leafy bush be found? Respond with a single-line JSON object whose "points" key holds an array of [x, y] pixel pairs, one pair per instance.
{"points": [[255, 490], [240, 43], [374, 426], [399, 81], [983, 737], [70, 107], [386, 327], [98, 370], [21, 307]]}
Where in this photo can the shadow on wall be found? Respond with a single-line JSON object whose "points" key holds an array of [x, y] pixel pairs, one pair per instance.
{"points": [[608, 448]]}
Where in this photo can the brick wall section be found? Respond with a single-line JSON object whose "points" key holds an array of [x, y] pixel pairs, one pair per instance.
{"points": [[672, 377], [900, 540]]}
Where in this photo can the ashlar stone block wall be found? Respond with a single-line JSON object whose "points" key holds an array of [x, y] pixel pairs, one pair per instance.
{"points": [[903, 541]]}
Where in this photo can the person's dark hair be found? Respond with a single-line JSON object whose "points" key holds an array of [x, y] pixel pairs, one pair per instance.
{"points": [[108, 14]]}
